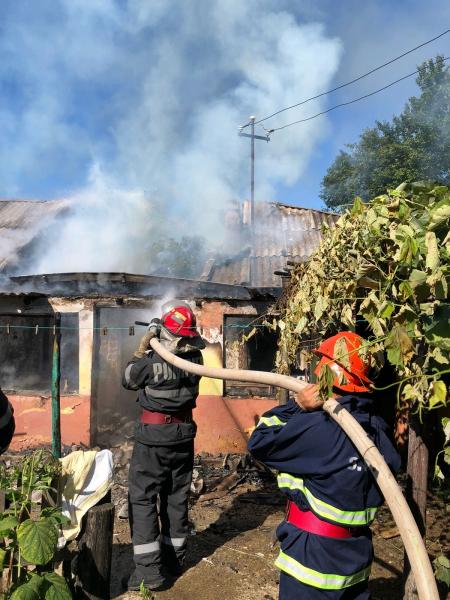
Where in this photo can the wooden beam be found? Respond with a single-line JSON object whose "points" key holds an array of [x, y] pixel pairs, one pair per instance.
{"points": [[94, 560], [416, 492]]}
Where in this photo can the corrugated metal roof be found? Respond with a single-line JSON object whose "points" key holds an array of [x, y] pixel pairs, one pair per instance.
{"points": [[281, 233], [21, 221]]}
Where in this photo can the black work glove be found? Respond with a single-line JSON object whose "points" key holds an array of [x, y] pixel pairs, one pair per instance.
{"points": [[154, 328]]}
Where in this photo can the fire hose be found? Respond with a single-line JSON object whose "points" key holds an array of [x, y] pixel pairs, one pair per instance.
{"points": [[410, 534]]}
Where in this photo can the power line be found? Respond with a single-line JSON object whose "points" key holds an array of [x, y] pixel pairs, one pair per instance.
{"points": [[38, 328], [343, 85], [323, 112]]}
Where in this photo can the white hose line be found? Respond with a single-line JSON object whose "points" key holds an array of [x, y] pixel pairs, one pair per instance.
{"points": [[412, 540]]}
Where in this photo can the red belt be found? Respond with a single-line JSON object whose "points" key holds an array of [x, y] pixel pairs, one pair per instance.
{"points": [[308, 521], [149, 417]]}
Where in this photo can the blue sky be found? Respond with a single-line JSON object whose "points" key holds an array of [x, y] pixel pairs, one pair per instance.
{"points": [[150, 94], [372, 32]]}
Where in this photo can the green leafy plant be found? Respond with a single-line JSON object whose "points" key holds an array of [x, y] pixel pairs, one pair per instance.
{"points": [[384, 271], [386, 266], [145, 592], [442, 563], [442, 569], [28, 535], [445, 452]]}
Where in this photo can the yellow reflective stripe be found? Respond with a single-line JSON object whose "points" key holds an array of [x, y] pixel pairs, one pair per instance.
{"points": [[350, 518], [324, 581], [270, 421]]}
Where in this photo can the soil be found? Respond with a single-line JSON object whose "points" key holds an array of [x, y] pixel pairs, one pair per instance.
{"points": [[232, 551], [232, 546]]}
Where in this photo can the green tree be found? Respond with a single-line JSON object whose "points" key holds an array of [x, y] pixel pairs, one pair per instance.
{"points": [[414, 146], [172, 258]]}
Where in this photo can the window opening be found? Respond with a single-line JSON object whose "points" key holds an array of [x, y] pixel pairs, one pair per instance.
{"points": [[256, 354], [26, 353]]}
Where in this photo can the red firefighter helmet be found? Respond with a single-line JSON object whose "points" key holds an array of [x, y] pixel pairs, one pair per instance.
{"points": [[341, 353], [178, 318]]}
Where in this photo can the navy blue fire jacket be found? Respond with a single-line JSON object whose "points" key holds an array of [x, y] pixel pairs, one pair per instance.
{"points": [[321, 471], [7, 424]]}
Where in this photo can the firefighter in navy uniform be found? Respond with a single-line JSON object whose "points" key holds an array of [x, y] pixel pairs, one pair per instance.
{"points": [[163, 454], [325, 541], [7, 424]]}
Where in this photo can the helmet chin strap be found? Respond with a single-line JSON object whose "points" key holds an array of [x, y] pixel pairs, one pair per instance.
{"points": [[169, 340], [178, 344]]}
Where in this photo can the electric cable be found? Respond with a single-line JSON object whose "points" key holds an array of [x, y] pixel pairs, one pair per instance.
{"points": [[341, 104], [343, 85]]}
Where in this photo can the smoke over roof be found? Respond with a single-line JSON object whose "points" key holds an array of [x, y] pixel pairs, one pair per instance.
{"points": [[140, 101]]}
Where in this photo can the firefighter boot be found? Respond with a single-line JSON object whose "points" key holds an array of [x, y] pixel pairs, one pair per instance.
{"points": [[173, 561], [151, 577]]}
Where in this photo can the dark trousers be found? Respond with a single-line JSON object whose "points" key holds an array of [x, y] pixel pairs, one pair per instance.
{"points": [[164, 471], [292, 589]]}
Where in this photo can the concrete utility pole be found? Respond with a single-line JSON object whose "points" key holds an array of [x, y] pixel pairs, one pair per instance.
{"points": [[253, 137]]}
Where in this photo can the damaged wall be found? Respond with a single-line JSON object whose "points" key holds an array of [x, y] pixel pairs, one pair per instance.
{"points": [[210, 319], [99, 411], [224, 423], [30, 397], [33, 415]]}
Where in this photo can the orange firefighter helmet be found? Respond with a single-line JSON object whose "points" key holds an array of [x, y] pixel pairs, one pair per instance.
{"points": [[341, 353]]}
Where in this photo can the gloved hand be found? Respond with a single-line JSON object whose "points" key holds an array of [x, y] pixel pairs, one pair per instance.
{"points": [[308, 398], [152, 331], [154, 328]]}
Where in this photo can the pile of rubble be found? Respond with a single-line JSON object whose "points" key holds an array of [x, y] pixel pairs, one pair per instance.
{"points": [[213, 477]]}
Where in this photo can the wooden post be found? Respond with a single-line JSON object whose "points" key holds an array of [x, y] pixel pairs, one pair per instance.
{"points": [[282, 396], [416, 492], [56, 378], [94, 560], [282, 393]]}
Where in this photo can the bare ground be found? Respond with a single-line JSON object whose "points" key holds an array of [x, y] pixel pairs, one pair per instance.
{"points": [[231, 551]]}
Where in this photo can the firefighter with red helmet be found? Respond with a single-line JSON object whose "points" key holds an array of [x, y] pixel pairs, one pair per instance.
{"points": [[325, 540], [163, 453]]}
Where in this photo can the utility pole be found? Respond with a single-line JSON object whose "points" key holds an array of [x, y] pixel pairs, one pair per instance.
{"points": [[252, 137]]}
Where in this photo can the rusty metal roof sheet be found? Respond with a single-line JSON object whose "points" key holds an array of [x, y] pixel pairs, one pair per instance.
{"points": [[281, 233], [21, 221]]}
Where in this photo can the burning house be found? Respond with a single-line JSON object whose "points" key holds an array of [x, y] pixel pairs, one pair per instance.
{"points": [[98, 332]]}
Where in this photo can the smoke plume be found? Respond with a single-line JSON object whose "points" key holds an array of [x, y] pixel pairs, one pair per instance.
{"points": [[136, 106]]}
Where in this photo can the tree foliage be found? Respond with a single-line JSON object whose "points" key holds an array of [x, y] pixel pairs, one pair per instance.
{"points": [[414, 146], [173, 258], [386, 265]]}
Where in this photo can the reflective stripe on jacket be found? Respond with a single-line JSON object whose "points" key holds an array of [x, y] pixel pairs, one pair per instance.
{"points": [[163, 388], [328, 512]]}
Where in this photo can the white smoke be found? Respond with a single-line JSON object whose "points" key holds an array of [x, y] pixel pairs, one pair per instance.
{"points": [[109, 229], [167, 83]]}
